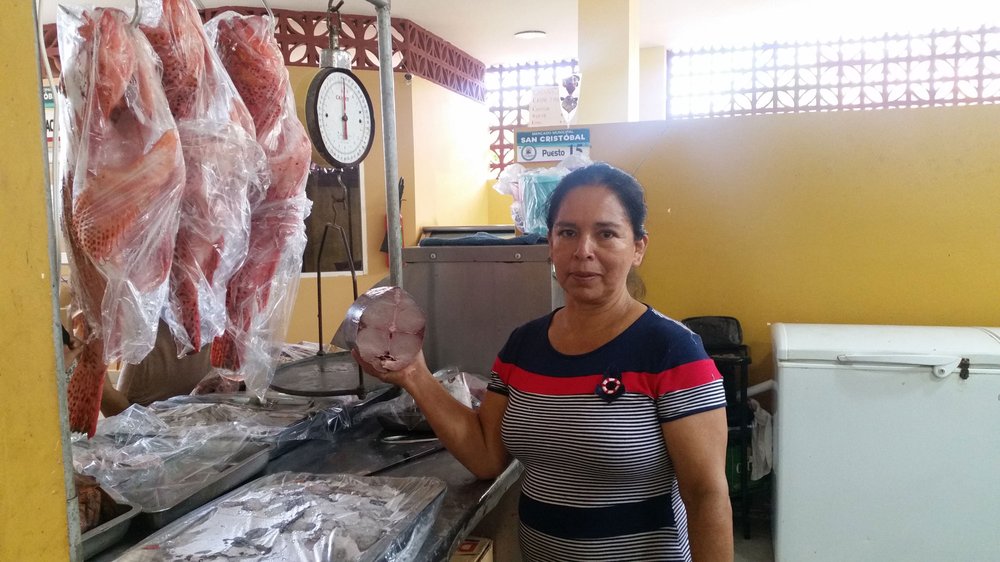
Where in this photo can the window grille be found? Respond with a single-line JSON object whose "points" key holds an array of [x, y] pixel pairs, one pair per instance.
{"points": [[942, 68], [508, 94]]}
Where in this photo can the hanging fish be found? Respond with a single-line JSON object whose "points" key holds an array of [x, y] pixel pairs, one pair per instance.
{"points": [[260, 295], [225, 168], [124, 174]]}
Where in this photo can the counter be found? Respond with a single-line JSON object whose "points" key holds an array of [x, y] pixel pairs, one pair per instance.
{"points": [[361, 450]]}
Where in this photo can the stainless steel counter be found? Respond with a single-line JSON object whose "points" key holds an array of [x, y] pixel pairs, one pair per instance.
{"points": [[466, 502], [360, 450]]}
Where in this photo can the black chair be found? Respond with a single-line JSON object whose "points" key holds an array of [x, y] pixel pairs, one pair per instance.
{"points": [[722, 337]]}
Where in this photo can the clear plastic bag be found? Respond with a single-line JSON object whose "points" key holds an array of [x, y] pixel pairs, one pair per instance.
{"points": [[225, 168], [261, 294], [306, 517], [134, 454], [535, 188], [401, 414], [123, 178], [277, 419], [509, 183], [538, 187]]}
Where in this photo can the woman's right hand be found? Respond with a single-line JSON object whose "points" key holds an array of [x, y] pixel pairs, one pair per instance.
{"points": [[473, 437], [399, 378]]}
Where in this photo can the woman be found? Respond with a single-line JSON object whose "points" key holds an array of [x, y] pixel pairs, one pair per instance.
{"points": [[591, 398]]}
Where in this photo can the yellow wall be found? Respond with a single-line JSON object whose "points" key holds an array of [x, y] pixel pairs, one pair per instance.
{"points": [[498, 205], [608, 51], [450, 151], [34, 511], [882, 217], [443, 146]]}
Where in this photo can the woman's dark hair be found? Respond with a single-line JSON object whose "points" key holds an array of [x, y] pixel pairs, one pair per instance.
{"points": [[624, 186]]}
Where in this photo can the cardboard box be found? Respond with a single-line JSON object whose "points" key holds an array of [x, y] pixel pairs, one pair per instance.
{"points": [[474, 549]]}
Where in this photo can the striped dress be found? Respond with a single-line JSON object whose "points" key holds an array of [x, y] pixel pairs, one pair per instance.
{"points": [[598, 481]]}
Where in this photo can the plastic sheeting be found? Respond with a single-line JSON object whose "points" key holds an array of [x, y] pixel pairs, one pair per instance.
{"points": [[156, 473], [402, 414], [762, 442], [275, 420], [261, 294], [158, 456], [226, 168], [295, 516], [532, 189], [123, 181]]}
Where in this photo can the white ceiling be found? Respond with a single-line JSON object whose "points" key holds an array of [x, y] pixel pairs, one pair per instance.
{"points": [[485, 28]]}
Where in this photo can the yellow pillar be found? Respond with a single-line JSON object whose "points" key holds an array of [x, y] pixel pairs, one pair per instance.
{"points": [[653, 84], [34, 509], [608, 36]]}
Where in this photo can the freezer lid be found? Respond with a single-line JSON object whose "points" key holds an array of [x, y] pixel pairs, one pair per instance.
{"points": [[906, 345]]}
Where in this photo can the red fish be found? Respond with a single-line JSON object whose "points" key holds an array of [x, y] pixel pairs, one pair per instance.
{"points": [[269, 277], [222, 159], [115, 60], [178, 41], [253, 58], [121, 193]]}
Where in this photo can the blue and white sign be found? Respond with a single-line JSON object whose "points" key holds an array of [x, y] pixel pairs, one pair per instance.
{"points": [[552, 146]]}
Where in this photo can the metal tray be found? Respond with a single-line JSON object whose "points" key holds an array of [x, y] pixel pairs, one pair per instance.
{"points": [[111, 531], [251, 460], [225, 524], [297, 417]]}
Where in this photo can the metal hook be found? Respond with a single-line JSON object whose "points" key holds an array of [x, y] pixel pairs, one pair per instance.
{"points": [[343, 234], [334, 37], [135, 15], [319, 285], [270, 14], [342, 198]]}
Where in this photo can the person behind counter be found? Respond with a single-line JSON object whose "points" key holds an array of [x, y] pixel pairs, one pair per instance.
{"points": [[159, 376], [615, 410]]}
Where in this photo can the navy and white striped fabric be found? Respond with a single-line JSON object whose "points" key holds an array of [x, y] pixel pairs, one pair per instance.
{"points": [[598, 482]]}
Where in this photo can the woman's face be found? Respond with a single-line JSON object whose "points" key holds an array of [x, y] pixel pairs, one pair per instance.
{"points": [[592, 245]]}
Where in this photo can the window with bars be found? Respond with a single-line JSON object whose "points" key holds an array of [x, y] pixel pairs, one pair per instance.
{"points": [[508, 95], [941, 68]]}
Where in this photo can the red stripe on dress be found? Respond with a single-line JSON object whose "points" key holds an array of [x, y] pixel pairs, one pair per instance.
{"points": [[681, 377], [685, 376]]}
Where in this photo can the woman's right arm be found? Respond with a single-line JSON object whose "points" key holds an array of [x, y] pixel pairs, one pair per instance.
{"points": [[473, 437]]}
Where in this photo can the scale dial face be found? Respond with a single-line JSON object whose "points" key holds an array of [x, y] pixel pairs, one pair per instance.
{"points": [[340, 117]]}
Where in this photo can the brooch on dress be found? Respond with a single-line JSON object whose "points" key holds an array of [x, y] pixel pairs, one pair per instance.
{"points": [[610, 387]]}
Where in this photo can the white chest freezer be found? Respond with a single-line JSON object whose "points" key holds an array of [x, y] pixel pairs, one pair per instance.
{"points": [[887, 443]]}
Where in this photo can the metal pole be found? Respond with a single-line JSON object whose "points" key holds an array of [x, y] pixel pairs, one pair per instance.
{"points": [[395, 234]]}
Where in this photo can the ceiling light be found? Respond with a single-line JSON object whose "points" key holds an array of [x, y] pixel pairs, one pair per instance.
{"points": [[529, 34]]}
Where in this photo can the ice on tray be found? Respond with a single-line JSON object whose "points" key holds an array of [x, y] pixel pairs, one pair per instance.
{"points": [[295, 516]]}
